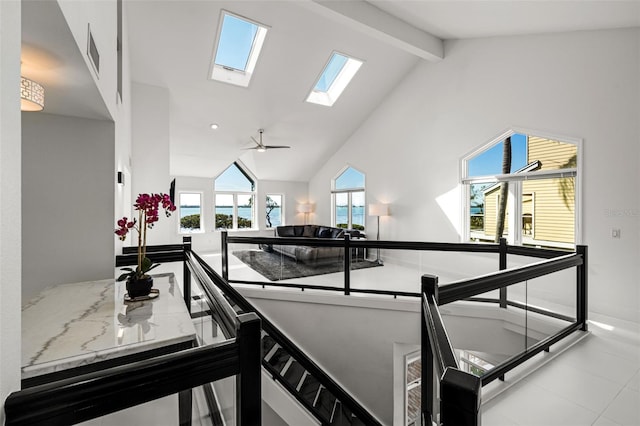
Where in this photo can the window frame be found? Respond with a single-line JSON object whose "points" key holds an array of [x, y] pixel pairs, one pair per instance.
{"points": [[202, 222], [515, 190], [228, 74], [250, 177], [338, 84], [349, 192], [282, 217]]}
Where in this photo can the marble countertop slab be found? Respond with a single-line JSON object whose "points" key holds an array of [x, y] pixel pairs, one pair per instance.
{"points": [[70, 325]]}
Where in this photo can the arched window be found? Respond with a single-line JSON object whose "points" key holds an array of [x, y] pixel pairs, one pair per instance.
{"points": [[235, 198], [523, 186], [348, 200]]}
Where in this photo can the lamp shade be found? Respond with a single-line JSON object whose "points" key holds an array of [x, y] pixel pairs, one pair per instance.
{"points": [[305, 208], [31, 95], [378, 209]]}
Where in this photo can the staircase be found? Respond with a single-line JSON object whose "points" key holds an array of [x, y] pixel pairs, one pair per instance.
{"points": [[306, 388], [304, 380]]}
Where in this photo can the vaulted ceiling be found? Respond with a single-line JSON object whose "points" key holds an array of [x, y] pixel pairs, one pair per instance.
{"points": [[171, 45]]}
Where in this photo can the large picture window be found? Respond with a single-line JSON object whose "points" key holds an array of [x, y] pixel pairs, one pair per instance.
{"points": [[522, 187], [235, 199], [274, 214], [348, 199], [190, 204]]}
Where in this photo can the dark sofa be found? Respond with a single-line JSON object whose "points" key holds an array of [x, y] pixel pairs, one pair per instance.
{"points": [[308, 254]]}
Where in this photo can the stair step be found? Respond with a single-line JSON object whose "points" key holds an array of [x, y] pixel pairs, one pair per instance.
{"points": [[326, 405], [344, 417], [309, 389], [294, 374], [267, 344], [279, 359]]}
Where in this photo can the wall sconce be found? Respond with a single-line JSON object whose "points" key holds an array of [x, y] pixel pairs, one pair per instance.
{"points": [[121, 178], [306, 209], [31, 95], [378, 210]]}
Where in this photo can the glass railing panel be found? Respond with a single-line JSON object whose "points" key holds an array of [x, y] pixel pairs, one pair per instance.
{"points": [[212, 404], [452, 266], [483, 334], [287, 264]]}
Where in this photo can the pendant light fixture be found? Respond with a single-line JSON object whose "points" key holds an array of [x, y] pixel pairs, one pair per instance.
{"points": [[31, 95]]}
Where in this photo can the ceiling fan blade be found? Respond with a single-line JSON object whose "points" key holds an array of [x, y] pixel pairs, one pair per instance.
{"points": [[276, 146]]}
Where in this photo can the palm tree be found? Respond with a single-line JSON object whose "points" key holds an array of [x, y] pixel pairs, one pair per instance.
{"points": [[504, 188]]}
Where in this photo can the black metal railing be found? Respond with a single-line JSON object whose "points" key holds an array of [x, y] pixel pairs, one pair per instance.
{"points": [[459, 391], [90, 391], [460, 395], [284, 351], [91, 395], [501, 249]]}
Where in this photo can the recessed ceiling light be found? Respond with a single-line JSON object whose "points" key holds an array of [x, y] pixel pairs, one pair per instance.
{"points": [[214, 126]]}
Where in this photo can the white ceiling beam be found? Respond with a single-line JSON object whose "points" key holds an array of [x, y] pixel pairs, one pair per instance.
{"points": [[377, 23]]}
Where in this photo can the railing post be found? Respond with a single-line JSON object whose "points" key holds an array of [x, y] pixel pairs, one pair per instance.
{"points": [[430, 288], [347, 263], [249, 381], [582, 289], [224, 249], [460, 398], [186, 273], [502, 266]]}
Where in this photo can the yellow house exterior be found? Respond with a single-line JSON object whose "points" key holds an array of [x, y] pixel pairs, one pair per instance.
{"points": [[548, 205]]}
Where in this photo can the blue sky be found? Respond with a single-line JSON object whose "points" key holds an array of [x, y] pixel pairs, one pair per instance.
{"points": [[331, 71], [350, 178], [489, 162], [235, 43], [233, 179]]}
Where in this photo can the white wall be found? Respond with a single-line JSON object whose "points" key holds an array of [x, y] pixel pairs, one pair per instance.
{"points": [[150, 152], [101, 16], [352, 338], [67, 200], [582, 84], [10, 201]]}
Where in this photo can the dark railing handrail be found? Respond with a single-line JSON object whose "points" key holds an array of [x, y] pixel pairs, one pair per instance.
{"points": [[157, 254], [442, 349], [221, 309], [467, 288], [91, 395], [327, 381]]}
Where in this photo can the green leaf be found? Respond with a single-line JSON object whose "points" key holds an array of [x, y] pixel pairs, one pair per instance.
{"points": [[126, 269], [153, 266], [146, 264], [123, 277]]}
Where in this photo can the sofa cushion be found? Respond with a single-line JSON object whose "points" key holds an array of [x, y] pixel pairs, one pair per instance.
{"points": [[337, 232], [298, 230], [310, 231], [324, 232], [285, 231]]}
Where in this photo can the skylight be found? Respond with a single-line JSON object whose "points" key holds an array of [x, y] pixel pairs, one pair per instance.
{"points": [[334, 79], [238, 46]]}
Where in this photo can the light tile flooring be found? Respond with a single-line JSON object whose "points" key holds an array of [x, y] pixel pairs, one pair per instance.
{"points": [[596, 381]]}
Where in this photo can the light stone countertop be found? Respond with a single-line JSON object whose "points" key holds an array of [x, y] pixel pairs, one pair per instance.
{"points": [[70, 325]]}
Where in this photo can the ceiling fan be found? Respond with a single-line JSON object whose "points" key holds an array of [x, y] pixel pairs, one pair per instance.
{"points": [[261, 147]]}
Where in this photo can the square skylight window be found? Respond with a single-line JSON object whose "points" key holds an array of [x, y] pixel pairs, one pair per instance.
{"points": [[238, 46], [335, 77]]}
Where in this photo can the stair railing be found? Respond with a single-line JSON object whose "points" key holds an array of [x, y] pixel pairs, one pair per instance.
{"points": [[291, 348], [460, 395]]}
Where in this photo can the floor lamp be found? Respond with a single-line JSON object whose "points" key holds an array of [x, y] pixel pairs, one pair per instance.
{"points": [[306, 209], [378, 210]]}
